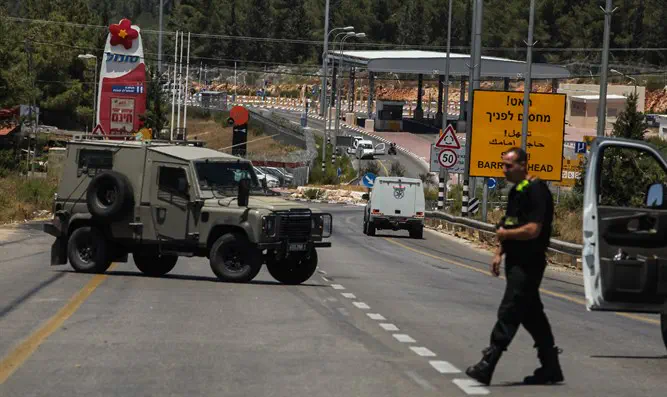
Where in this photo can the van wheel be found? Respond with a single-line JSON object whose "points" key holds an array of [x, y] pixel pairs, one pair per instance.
{"points": [[417, 232], [370, 230], [295, 269], [109, 195], [88, 250], [663, 326], [154, 265], [233, 259]]}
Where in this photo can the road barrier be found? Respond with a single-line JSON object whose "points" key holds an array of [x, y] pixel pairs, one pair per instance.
{"points": [[571, 250]]}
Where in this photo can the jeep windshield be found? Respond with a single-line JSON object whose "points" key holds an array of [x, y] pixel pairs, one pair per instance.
{"points": [[223, 177]]}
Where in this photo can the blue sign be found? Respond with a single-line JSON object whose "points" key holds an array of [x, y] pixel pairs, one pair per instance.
{"points": [[580, 147], [339, 172], [491, 183], [368, 180], [111, 57], [127, 89]]}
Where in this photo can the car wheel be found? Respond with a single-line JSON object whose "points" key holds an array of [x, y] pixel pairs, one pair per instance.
{"points": [[663, 326], [295, 269], [154, 265], [88, 250], [233, 259], [371, 229], [417, 232]]}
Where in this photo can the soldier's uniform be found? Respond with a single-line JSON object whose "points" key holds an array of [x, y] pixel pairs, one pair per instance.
{"points": [[525, 262]]}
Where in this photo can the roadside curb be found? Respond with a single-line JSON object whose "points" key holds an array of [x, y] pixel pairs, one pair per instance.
{"points": [[316, 201]]}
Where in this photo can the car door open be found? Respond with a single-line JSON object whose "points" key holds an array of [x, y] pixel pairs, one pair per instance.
{"points": [[379, 148], [625, 227]]}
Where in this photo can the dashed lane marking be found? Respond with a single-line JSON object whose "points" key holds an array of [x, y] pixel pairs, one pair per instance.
{"points": [[471, 387], [376, 316], [337, 286], [361, 305], [403, 338], [419, 380], [348, 295], [388, 327], [422, 351], [444, 367]]}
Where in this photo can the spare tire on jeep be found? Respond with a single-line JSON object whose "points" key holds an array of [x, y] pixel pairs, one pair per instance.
{"points": [[109, 196]]}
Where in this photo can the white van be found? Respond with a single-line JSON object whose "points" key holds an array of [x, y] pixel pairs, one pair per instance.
{"points": [[395, 203]]}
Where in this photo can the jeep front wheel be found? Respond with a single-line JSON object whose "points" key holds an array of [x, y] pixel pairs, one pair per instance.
{"points": [[154, 265], [88, 250], [234, 259], [295, 269]]}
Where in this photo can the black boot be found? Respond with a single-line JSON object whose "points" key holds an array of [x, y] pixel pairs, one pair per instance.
{"points": [[483, 370], [550, 372]]}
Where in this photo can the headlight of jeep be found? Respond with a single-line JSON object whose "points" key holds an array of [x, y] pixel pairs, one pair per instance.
{"points": [[269, 225], [322, 225]]}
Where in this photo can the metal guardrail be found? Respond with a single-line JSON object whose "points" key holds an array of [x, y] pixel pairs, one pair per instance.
{"points": [[562, 247]]}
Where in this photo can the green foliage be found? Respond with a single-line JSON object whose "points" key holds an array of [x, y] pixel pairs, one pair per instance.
{"points": [[630, 123], [156, 107], [330, 175], [397, 169], [373, 167]]}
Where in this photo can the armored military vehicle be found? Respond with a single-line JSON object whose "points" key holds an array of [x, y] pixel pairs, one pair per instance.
{"points": [[162, 200]]}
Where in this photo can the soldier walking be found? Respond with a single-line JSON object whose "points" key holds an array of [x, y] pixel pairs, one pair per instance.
{"points": [[523, 234]]}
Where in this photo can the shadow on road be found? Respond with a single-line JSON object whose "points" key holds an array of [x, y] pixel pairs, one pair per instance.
{"points": [[122, 273], [634, 357], [18, 301]]}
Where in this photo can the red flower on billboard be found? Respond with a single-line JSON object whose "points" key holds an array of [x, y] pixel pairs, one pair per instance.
{"points": [[123, 34]]}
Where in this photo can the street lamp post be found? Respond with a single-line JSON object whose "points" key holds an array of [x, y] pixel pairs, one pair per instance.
{"points": [[89, 56], [325, 63], [602, 103]]}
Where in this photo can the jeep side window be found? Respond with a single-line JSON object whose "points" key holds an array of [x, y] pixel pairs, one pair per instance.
{"points": [[625, 175], [95, 159], [171, 183]]}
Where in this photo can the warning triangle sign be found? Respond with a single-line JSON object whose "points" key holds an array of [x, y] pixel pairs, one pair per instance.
{"points": [[98, 130], [448, 139]]}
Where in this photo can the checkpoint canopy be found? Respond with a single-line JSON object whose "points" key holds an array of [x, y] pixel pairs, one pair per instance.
{"points": [[433, 62]]}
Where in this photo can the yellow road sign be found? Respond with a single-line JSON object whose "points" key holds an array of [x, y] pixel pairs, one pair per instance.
{"points": [[496, 127]]}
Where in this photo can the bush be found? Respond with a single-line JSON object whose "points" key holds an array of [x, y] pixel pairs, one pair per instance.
{"points": [[372, 167], [397, 169]]}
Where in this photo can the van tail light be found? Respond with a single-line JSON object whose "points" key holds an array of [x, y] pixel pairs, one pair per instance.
{"points": [[420, 214], [377, 212]]}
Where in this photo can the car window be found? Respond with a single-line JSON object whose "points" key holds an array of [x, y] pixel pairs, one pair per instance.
{"points": [[625, 175], [170, 178]]}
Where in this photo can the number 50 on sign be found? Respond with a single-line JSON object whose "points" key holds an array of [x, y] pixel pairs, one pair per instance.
{"points": [[447, 158]]}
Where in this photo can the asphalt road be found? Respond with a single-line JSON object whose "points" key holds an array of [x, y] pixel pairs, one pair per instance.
{"points": [[412, 168], [384, 316]]}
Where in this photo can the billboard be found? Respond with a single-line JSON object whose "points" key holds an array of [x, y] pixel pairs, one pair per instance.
{"points": [[122, 93], [496, 127]]}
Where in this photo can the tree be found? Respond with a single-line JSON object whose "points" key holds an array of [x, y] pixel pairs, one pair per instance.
{"points": [[397, 169], [630, 123], [155, 117]]}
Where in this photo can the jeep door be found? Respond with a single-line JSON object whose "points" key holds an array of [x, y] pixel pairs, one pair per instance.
{"points": [[170, 200], [625, 232]]}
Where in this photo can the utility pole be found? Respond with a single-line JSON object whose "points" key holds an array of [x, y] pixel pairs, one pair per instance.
{"points": [[528, 83], [442, 188], [472, 84], [28, 49], [602, 103], [323, 94], [159, 41]]}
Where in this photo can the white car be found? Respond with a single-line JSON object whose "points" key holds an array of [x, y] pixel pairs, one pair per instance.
{"points": [[271, 181], [395, 203], [365, 149]]}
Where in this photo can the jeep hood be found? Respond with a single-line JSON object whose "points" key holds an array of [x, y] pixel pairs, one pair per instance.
{"points": [[257, 202]]}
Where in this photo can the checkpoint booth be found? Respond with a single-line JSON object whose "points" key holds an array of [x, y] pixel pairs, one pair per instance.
{"points": [[389, 116]]}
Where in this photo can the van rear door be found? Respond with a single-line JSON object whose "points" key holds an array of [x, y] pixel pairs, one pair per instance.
{"points": [[399, 197]]}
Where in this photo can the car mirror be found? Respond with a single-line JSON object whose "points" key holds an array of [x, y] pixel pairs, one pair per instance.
{"points": [[365, 196], [655, 195]]}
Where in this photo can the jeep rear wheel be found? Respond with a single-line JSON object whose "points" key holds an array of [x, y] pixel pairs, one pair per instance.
{"points": [[88, 250], [234, 259], [663, 326], [295, 269], [154, 265]]}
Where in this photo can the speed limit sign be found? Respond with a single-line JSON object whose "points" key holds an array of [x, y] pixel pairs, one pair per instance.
{"points": [[447, 158]]}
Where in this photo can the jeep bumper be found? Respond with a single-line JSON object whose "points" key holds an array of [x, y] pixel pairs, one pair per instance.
{"points": [[396, 223], [284, 244]]}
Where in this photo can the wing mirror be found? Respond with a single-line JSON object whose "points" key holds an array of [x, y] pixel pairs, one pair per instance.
{"points": [[244, 192], [655, 196], [365, 196]]}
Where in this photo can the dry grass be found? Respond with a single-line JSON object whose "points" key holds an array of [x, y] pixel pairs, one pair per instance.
{"points": [[566, 226], [218, 136], [22, 199]]}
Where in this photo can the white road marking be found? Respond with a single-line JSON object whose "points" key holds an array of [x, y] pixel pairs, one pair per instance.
{"points": [[389, 327], [376, 316], [444, 367], [337, 286], [325, 279], [361, 305], [332, 299], [422, 351], [419, 380], [471, 387], [403, 338], [321, 271], [348, 295]]}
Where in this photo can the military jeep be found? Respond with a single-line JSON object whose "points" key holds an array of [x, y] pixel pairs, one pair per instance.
{"points": [[161, 200]]}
